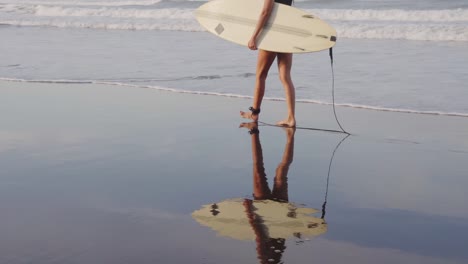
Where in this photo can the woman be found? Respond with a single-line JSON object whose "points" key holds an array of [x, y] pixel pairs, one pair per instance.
{"points": [[264, 61]]}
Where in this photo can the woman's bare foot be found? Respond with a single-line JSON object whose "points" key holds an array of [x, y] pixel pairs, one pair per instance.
{"points": [[289, 122], [249, 115]]}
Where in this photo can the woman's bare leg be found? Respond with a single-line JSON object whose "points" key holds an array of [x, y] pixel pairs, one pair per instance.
{"points": [[264, 61], [284, 69]]}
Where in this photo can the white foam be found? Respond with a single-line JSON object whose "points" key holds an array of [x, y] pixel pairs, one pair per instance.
{"points": [[409, 31], [48, 81], [427, 32], [427, 25], [171, 13], [448, 15], [122, 25], [83, 3], [167, 89], [113, 10]]}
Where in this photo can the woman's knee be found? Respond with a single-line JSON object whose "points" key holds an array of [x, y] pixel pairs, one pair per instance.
{"points": [[285, 76], [262, 74], [284, 67]]}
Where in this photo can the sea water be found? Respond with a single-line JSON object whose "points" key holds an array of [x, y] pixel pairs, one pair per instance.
{"points": [[390, 55]]}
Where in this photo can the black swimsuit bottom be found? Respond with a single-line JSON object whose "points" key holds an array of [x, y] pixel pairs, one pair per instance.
{"points": [[284, 2]]}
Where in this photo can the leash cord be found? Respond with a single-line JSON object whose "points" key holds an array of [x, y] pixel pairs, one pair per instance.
{"points": [[333, 91]]}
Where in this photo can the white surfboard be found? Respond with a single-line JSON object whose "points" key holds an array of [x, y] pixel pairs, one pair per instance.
{"points": [[288, 30]]}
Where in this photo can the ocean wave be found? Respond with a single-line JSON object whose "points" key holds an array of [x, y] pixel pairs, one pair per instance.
{"points": [[175, 90], [448, 15], [352, 30], [117, 25], [426, 25], [83, 3], [426, 32], [115, 10], [199, 77], [49, 81], [40, 11], [172, 13]]}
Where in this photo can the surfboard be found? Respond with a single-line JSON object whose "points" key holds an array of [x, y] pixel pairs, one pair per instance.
{"points": [[288, 30]]}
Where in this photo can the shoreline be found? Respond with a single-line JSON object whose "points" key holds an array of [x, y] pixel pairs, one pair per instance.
{"points": [[439, 130]]}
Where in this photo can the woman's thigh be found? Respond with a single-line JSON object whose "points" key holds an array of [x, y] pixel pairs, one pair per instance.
{"points": [[264, 61], [284, 62]]}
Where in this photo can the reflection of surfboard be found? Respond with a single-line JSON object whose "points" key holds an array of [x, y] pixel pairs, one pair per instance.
{"points": [[282, 220], [288, 30]]}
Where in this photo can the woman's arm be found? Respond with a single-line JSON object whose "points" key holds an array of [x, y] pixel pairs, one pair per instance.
{"points": [[264, 15]]}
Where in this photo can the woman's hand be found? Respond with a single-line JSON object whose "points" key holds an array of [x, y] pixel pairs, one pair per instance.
{"points": [[264, 15], [252, 44]]}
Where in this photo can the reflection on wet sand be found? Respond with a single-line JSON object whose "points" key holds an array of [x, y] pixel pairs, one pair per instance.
{"points": [[269, 218]]}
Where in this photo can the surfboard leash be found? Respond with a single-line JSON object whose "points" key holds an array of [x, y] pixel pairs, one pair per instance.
{"points": [[324, 205], [333, 92]]}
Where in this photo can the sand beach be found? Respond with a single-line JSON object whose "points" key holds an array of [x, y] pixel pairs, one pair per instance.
{"points": [[110, 174]]}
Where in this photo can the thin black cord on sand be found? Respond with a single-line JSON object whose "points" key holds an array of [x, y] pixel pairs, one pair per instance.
{"points": [[305, 128], [333, 91], [324, 206]]}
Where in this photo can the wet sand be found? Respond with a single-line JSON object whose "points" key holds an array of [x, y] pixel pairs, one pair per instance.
{"points": [[109, 174]]}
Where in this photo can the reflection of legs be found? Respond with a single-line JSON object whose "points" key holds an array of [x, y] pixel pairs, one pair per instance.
{"points": [[280, 187], [264, 61], [269, 250], [284, 68], [260, 184]]}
